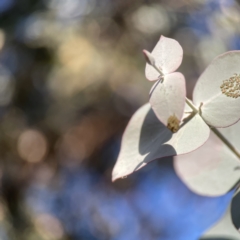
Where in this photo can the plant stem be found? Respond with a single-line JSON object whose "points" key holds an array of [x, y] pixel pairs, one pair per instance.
{"points": [[229, 145], [191, 105], [159, 70], [224, 140]]}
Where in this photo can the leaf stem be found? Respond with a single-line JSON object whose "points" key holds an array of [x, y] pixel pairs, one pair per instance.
{"points": [[224, 140], [159, 70], [228, 144], [191, 105]]}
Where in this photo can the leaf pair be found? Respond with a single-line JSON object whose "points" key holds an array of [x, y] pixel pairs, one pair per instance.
{"points": [[217, 92], [213, 169], [167, 96]]}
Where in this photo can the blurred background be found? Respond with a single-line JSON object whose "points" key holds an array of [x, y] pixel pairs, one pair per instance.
{"points": [[71, 76]]}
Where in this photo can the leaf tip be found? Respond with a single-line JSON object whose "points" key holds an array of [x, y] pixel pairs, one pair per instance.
{"points": [[114, 177], [116, 174]]}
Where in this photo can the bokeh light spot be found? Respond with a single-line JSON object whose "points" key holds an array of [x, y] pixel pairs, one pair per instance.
{"points": [[151, 19], [32, 145], [49, 226]]}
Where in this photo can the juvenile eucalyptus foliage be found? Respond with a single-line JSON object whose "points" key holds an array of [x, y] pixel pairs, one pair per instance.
{"points": [[203, 135]]}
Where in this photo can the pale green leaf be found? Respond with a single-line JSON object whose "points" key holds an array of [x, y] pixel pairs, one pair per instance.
{"points": [[218, 109], [168, 56], [212, 169], [167, 98], [146, 139]]}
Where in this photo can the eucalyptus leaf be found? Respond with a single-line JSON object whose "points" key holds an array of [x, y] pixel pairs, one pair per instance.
{"points": [[217, 91], [167, 98], [168, 56], [212, 169], [146, 139]]}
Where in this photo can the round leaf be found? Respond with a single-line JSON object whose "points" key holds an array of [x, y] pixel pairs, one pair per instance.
{"points": [[218, 90], [146, 139], [212, 169], [168, 56], [167, 99]]}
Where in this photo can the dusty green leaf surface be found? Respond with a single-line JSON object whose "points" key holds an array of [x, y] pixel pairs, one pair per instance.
{"points": [[218, 90], [212, 169], [146, 139], [167, 99]]}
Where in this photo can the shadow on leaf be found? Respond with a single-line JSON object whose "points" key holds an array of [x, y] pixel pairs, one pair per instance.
{"points": [[153, 138]]}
